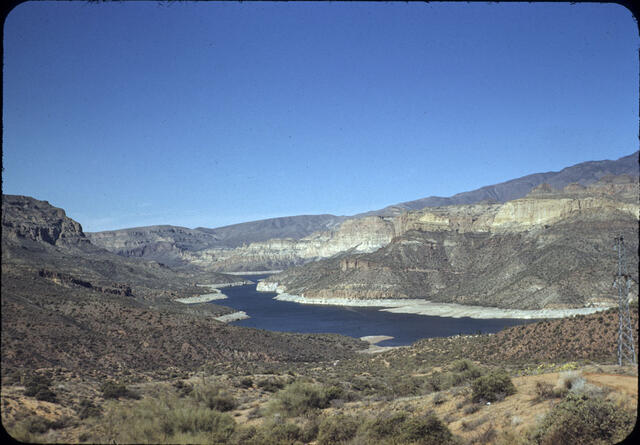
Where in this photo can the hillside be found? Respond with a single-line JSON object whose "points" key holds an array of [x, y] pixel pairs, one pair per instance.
{"points": [[175, 246], [551, 249], [69, 304]]}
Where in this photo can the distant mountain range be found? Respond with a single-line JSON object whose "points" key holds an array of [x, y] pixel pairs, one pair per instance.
{"points": [[585, 173], [180, 246]]}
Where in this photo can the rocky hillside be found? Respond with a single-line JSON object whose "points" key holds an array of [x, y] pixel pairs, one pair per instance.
{"points": [[179, 246], [550, 249], [69, 304], [39, 236]]}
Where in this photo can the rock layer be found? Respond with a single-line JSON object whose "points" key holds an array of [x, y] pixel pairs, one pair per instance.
{"points": [[549, 250]]}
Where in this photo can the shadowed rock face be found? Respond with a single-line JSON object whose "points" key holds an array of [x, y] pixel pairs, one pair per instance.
{"points": [[549, 250], [24, 217]]}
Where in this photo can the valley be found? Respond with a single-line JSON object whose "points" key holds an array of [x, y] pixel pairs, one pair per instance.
{"points": [[145, 335]]}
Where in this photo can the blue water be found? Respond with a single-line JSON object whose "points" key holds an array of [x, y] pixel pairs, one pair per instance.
{"points": [[273, 315]]}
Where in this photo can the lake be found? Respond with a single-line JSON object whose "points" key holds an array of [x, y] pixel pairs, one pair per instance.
{"points": [[273, 315]]}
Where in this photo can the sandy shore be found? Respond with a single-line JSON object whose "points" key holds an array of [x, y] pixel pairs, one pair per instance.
{"points": [[222, 285], [215, 295], [202, 298], [453, 310], [240, 315], [253, 272], [373, 341]]}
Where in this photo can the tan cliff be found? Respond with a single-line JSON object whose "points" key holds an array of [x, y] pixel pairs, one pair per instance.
{"points": [[541, 208], [549, 250]]}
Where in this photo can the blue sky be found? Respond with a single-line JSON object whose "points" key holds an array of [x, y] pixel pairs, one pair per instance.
{"points": [[207, 114]]}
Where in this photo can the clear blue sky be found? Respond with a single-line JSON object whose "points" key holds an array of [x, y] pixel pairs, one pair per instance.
{"points": [[207, 114]]}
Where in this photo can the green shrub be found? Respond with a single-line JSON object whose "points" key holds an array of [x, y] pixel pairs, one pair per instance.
{"points": [[300, 397], [113, 390], [337, 429], [275, 432], [166, 419], [425, 430], [402, 386], [214, 397], [582, 419], [491, 387], [270, 385], [399, 428]]}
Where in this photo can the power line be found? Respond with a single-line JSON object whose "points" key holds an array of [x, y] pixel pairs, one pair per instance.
{"points": [[626, 349]]}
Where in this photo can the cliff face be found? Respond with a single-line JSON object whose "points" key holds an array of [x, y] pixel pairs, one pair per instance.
{"points": [[551, 249], [24, 217], [357, 235]]}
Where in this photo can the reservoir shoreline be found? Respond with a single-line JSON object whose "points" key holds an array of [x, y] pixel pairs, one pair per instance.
{"points": [[428, 308]]}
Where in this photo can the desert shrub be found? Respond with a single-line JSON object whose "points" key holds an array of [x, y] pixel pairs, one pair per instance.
{"points": [[183, 388], [402, 386], [425, 430], [439, 398], [190, 419], [113, 390], [491, 387], [270, 385], [39, 386], [436, 382], [215, 397], [37, 425], [276, 432], [167, 419], [472, 408], [398, 427], [386, 424], [337, 429], [246, 382], [464, 371], [545, 391], [570, 381], [88, 409], [582, 419], [301, 397]]}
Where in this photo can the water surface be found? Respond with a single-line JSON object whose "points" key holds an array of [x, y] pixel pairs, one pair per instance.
{"points": [[283, 316]]}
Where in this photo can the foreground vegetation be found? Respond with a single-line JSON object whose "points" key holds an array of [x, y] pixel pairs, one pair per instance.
{"points": [[427, 393], [460, 403]]}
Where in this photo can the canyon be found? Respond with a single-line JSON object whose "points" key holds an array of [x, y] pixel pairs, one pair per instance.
{"points": [[281, 243], [551, 249]]}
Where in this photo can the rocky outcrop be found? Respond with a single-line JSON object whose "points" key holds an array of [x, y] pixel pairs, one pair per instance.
{"points": [[65, 279], [24, 217]]}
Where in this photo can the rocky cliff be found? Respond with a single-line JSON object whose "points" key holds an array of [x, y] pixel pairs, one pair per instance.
{"points": [[355, 235], [24, 217], [550, 249], [280, 243]]}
